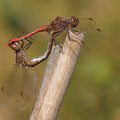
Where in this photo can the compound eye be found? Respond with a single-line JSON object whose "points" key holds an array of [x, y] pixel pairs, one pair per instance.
{"points": [[72, 20], [15, 46]]}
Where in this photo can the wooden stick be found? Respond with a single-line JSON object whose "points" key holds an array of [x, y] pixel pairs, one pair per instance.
{"points": [[56, 78]]}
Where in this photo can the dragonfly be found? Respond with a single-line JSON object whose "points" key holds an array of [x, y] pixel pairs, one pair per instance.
{"points": [[24, 86], [60, 24]]}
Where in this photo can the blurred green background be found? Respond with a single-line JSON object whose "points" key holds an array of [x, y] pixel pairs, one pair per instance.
{"points": [[94, 89]]}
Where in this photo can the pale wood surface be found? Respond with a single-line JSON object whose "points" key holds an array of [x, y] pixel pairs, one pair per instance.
{"points": [[56, 78]]}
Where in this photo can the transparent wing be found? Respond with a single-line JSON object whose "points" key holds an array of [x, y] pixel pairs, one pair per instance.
{"points": [[87, 24], [28, 88], [11, 85]]}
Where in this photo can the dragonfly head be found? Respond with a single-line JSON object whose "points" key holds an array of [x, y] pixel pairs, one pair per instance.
{"points": [[16, 46], [74, 21]]}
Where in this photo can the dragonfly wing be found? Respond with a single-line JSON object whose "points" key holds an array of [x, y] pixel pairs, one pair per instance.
{"points": [[11, 85], [86, 24], [28, 88]]}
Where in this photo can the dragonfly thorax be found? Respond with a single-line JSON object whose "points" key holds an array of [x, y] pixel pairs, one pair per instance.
{"points": [[22, 59]]}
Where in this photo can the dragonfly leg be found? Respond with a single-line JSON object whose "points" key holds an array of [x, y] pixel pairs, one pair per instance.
{"points": [[57, 43], [76, 32], [29, 43], [73, 40]]}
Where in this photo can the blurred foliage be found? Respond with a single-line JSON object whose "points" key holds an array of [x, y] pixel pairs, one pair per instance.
{"points": [[94, 89]]}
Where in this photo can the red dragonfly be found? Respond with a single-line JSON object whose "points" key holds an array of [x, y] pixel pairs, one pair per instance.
{"points": [[59, 24], [23, 86]]}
